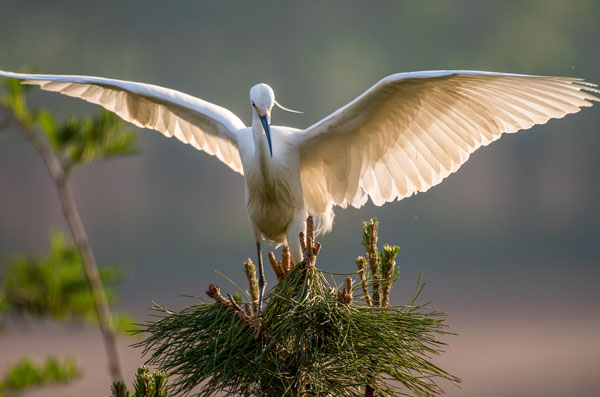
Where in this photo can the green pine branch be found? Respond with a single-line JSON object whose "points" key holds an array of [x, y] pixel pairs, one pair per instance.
{"points": [[312, 340]]}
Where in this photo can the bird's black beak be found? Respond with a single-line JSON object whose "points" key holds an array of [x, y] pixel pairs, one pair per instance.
{"points": [[267, 128]]}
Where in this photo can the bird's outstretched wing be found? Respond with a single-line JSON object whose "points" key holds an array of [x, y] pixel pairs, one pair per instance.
{"points": [[203, 125], [411, 130]]}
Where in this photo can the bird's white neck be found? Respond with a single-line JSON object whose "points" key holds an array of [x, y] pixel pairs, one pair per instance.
{"points": [[261, 146]]}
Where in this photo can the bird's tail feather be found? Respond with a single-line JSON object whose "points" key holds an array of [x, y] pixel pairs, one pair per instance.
{"points": [[323, 221]]}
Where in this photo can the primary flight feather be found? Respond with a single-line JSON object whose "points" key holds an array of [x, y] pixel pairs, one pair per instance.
{"points": [[401, 136]]}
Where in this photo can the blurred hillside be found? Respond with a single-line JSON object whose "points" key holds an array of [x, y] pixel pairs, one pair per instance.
{"points": [[511, 239]]}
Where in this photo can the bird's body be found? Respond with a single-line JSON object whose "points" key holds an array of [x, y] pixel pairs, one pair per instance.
{"points": [[273, 188], [402, 136]]}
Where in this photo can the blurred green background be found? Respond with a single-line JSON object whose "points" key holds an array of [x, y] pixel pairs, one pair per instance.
{"points": [[509, 245]]}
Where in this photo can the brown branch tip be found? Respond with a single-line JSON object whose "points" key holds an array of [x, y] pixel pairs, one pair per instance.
{"points": [[284, 266], [361, 264], [256, 324], [250, 271], [345, 295], [310, 248]]}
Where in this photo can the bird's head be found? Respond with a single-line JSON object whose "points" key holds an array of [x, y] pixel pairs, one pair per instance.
{"points": [[262, 98]]}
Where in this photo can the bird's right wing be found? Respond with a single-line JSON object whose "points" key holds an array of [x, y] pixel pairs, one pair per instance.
{"points": [[203, 125], [411, 130]]}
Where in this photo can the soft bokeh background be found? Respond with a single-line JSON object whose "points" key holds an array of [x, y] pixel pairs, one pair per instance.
{"points": [[508, 245]]}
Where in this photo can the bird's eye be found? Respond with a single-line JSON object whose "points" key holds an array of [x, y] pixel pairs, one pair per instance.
{"points": [[253, 104]]}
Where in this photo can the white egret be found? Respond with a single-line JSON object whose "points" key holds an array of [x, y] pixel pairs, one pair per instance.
{"points": [[400, 137]]}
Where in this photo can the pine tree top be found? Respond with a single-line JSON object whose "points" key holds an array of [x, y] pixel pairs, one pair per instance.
{"points": [[314, 338]]}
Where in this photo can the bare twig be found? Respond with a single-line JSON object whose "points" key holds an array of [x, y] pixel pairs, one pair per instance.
{"points": [[81, 240]]}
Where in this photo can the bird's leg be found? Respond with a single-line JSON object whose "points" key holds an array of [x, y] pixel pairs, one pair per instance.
{"points": [[262, 284], [295, 250]]}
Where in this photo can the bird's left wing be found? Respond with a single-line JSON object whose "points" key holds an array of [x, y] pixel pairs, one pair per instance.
{"points": [[203, 125], [411, 130]]}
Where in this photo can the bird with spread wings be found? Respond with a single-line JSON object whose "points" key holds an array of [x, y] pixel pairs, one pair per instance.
{"points": [[402, 136]]}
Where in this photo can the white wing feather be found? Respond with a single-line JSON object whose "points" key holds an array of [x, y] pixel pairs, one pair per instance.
{"points": [[203, 125], [411, 130]]}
